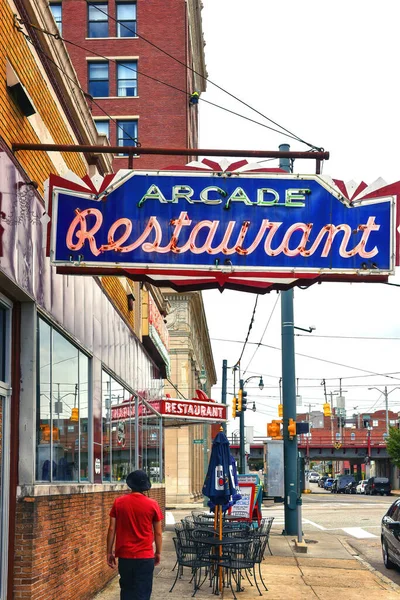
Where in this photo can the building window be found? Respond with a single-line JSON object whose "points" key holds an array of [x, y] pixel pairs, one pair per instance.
{"points": [[98, 20], [127, 133], [127, 444], [62, 408], [98, 79], [126, 17], [56, 10], [127, 79], [103, 127]]}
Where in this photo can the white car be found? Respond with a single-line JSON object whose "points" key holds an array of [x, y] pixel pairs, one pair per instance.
{"points": [[313, 477], [360, 489]]}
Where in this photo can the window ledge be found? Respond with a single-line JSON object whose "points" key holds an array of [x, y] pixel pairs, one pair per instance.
{"points": [[114, 98], [134, 37], [66, 489]]}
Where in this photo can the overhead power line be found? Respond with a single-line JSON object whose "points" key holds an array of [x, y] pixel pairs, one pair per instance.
{"points": [[248, 331], [284, 129], [325, 360], [263, 333]]}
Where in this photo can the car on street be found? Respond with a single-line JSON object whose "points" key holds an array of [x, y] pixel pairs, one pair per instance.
{"points": [[340, 483], [390, 536], [321, 480], [313, 477], [328, 483], [378, 485], [351, 487], [360, 489]]}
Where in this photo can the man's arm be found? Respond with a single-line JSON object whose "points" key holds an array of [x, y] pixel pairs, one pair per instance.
{"points": [[110, 543], [157, 526]]}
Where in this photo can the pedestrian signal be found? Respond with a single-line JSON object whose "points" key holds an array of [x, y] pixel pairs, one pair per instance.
{"points": [[292, 428], [327, 409], [234, 407], [274, 429], [280, 410], [240, 400], [244, 400]]}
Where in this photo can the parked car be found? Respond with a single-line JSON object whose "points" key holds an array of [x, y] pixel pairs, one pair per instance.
{"points": [[313, 477], [378, 485], [342, 482], [334, 486], [321, 481], [390, 536], [360, 489], [328, 483], [351, 487]]}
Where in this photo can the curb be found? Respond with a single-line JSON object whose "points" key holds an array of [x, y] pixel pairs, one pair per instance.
{"points": [[383, 578]]}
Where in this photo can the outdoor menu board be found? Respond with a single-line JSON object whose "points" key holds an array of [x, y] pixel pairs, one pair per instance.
{"points": [[243, 509]]}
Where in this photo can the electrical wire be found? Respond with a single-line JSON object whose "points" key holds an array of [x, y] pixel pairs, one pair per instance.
{"points": [[249, 330], [57, 36], [38, 49], [291, 134], [325, 360], [263, 333]]}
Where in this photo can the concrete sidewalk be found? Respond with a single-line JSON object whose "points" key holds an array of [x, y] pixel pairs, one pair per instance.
{"points": [[328, 571]]}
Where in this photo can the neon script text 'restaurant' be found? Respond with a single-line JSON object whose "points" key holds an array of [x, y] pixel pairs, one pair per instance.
{"points": [[87, 223]]}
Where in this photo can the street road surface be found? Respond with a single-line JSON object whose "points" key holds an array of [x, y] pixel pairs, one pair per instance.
{"points": [[356, 518]]}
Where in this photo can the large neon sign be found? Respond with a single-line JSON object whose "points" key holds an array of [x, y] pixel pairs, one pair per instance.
{"points": [[201, 229]]}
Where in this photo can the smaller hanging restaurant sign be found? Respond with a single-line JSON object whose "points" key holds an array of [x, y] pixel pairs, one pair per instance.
{"points": [[170, 408], [223, 226]]}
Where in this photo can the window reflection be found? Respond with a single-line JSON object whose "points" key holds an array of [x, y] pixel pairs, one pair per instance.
{"points": [[121, 455], [62, 408]]}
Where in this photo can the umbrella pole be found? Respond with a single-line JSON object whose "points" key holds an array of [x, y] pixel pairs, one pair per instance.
{"points": [[220, 548]]}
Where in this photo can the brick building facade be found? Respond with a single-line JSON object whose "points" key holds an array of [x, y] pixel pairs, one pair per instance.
{"points": [[123, 54], [72, 348]]}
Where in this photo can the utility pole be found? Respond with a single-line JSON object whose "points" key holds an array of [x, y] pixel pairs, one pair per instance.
{"points": [[241, 435], [292, 500]]}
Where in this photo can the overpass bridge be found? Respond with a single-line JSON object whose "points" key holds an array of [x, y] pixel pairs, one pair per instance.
{"points": [[357, 446]]}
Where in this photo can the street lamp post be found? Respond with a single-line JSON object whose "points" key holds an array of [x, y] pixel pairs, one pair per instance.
{"points": [[203, 381], [241, 421], [386, 394]]}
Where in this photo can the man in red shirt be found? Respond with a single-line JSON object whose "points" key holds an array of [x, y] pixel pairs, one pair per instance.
{"points": [[135, 523]]}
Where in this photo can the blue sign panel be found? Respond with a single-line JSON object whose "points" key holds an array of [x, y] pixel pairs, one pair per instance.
{"points": [[251, 222]]}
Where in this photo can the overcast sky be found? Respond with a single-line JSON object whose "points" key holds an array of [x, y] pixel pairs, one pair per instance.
{"points": [[325, 71]]}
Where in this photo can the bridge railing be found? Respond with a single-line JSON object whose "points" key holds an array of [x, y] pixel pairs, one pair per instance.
{"points": [[352, 439]]}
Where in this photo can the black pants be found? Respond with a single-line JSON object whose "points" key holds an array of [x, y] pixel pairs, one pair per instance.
{"points": [[136, 578]]}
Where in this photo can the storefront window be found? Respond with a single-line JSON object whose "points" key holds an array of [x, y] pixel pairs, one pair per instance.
{"points": [[62, 408], [127, 444]]}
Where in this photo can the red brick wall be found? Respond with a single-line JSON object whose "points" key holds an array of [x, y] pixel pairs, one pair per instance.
{"points": [[164, 112], [60, 545]]}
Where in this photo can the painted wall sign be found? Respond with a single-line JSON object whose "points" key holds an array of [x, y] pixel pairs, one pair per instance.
{"points": [[212, 227]]}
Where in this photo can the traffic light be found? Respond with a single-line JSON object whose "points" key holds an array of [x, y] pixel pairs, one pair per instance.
{"points": [[280, 410], [292, 428], [327, 409], [240, 400], [234, 407], [244, 400], [274, 429]]}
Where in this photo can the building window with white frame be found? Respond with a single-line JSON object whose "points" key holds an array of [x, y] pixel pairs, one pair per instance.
{"points": [[126, 19], [98, 79], [98, 20], [62, 421], [127, 78], [127, 132], [56, 9]]}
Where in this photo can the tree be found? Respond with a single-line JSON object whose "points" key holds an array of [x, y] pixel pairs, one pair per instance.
{"points": [[393, 445]]}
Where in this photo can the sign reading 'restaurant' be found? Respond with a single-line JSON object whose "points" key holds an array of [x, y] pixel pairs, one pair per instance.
{"points": [[173, 408], [210, 222]]}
